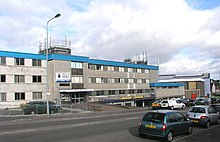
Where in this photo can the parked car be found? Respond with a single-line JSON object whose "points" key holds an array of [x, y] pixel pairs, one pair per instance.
{"points": [[172, 104], [216, 107], [188, 102], [214, 100], [39, 107], [156, 104], [164, 124], [203, 115], [202, 101]]}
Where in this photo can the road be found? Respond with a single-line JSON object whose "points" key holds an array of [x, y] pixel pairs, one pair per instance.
{"points": [[96, 128]]}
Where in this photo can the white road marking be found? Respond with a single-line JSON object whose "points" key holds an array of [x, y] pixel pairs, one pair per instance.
{"points": [[20, 131]]}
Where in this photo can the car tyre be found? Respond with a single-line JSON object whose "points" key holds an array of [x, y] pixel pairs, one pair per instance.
{"points": [[190, 130], [207, 125], [182, 106], [169, 136], [172, 107]]}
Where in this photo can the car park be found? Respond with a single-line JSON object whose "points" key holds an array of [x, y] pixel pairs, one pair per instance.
{"points": [[39, 107], [164, 124], [156, 104], [172, 104], [203, 115]]}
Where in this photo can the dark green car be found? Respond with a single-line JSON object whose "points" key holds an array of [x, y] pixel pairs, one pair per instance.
{"points": [[39, 107], [164, 124]]}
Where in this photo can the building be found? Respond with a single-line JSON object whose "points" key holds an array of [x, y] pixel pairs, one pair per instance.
{"points": [[72, 79], [168, 90], [194, 85]]}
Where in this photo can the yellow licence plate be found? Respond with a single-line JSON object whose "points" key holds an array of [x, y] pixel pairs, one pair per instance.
{"points": [[150, 126], [195, 121]]}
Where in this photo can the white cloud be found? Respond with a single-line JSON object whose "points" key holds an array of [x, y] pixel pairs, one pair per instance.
{"points": [[118, 29]]}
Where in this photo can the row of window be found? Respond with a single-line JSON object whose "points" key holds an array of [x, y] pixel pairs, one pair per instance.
{"points": [[20, 96], [119, 92], [117, 80], [79, 65], [119, 69], [169, 87], [20, 61], [21, 78]]}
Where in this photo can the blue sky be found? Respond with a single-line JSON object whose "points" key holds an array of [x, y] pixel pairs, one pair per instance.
{"points": [[183, 34], [204, 4]]}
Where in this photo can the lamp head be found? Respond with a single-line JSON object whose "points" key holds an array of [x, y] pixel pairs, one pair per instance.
{"points": [[58, 15]]}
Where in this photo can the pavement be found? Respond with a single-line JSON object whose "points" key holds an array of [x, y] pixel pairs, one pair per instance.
{"points": [[92, 110]]}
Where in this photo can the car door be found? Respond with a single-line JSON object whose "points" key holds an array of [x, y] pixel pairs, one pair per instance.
{"points": [[215, 115], [173, 123], [183, 123]]}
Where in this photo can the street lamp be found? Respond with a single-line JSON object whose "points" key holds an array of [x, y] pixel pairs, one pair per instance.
{"points": [[47, 86]]}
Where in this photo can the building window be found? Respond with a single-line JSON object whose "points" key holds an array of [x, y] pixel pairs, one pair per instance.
{"points": [[20, 96], [77, 79], [130, 70], [37, 95], [139, 80], [36, 78], [19, 61], [111, 92], [2, 78], [116, 68], [92, 80], [2, 97], [77, 65], [99, 67], [19, 78], [76, 71], [100, 93], [99, 80], [130, 80], [64, 84], [131, 91], [111, 80], [110, 68], [134, 70], [121, 91], [139, 70], [139, 91], [122, 80], [36, 62], [121, 69], [77, 85], [3, 60]]}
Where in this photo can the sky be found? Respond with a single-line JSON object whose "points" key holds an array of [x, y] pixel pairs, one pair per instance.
{"points": [[182, 36]]}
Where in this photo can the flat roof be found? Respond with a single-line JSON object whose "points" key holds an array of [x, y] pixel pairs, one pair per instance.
{"points": [[76, 59]]}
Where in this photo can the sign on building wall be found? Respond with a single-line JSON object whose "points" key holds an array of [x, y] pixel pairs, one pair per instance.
{"points": [[63, 77]]}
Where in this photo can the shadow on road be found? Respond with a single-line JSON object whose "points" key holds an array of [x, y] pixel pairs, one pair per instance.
{"points": [[134, 132]]}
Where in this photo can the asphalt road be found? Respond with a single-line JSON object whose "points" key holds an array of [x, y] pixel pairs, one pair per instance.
{"points": [[100, 128]]}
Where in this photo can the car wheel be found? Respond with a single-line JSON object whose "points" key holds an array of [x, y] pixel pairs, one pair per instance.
{"points": [[169, 136], [182, 106], [172, 108], [142, 135], [190, 130], [207, 125]]}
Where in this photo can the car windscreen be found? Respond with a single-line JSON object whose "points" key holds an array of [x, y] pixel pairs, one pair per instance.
{"points": [[197, 110], [154, 117], [164, 102]]}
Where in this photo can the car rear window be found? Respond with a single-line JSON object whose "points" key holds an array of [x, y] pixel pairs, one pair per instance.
{"points": [[154, 117], [164, 101], [197, 110]]}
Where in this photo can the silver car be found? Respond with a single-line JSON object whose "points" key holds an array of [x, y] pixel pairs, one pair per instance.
{"points": [[203, 115]]}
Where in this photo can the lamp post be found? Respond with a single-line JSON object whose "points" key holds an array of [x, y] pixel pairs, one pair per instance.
{"points": [[47, 86]]}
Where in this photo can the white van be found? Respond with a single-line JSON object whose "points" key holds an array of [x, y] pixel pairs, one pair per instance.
{"points": [[172, 104]]}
